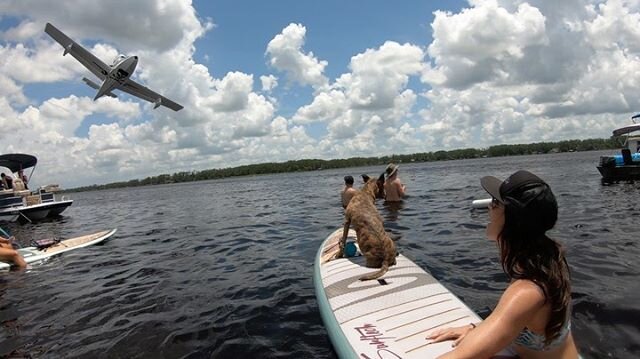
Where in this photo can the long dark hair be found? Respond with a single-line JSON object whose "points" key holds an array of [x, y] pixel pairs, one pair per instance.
{"points": [[526, 252]]}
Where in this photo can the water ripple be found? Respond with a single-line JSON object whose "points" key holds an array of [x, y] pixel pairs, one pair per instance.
{"points": [[224, 268]]}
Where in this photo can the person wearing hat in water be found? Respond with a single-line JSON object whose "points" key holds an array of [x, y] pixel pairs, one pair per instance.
{"points": [[394, 190], [348, 191], [533, 316]]}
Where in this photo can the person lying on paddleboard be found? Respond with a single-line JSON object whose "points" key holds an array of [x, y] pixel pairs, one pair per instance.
{"points": [[533, 316], [10, 255]]}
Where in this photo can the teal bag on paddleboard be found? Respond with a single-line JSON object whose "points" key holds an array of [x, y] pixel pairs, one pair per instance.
{"points": [[350, 249]]}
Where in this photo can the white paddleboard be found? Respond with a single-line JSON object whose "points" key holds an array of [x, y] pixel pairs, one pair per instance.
{"points": [[385, 318], [32, 254]]}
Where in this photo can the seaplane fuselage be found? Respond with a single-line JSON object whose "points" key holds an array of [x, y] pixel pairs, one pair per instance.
{"points": [[121, 70]]}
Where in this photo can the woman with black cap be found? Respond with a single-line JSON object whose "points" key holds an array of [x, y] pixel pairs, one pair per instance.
{"points": [[533, 315]]}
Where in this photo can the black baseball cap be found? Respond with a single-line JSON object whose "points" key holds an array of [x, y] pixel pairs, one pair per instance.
{"points": [[517, 183]]}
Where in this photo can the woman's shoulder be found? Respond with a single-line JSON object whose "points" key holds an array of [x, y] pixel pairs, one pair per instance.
{"points": [[525, 290], [520, 302]]}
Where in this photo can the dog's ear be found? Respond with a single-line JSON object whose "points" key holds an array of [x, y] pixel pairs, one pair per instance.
{"points": [[380, 186]]}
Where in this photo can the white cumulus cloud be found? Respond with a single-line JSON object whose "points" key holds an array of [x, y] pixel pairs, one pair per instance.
{"points": [[286, 54]]}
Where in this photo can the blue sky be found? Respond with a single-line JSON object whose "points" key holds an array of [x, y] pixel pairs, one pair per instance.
{"points": [[282, 80], [337, 31]]}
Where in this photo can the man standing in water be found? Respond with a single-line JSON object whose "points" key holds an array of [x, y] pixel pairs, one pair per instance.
{"points": [[393, 188], [348, 191]]}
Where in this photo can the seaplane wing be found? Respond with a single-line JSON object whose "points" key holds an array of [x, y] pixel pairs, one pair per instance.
{"points": [[94, 64], [135, 89]]}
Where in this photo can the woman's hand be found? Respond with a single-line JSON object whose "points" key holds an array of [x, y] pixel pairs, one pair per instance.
{"points": [[456, 334]]}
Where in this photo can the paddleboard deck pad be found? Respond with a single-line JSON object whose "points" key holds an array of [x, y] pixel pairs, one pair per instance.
{"points": [[385, 318], [33, 254]]}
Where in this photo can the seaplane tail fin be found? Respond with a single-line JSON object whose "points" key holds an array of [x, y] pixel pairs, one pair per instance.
{"points": [[97, 87]]}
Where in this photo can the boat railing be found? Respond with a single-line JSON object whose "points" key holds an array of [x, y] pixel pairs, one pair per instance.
{"points": [[22, 193], [10, 201], [46, 197], [17, 198]]}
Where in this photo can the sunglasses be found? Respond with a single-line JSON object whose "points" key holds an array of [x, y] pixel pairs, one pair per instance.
{"points": [[495, 203]]}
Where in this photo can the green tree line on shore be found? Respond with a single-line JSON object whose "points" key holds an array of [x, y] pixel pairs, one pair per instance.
{"points": [[317, 164]]}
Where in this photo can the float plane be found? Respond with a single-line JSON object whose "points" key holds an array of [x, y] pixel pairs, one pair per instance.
{"points": [[114, 76]]}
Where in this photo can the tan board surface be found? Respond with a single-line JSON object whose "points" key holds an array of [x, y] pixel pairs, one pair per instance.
{"points": [[74, 242]]}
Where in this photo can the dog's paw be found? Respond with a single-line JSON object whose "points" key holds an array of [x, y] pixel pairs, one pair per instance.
{"points": [[340, 254]]}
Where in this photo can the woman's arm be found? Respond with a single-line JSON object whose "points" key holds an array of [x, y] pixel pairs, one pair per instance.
{"points": [[517, 306], [456, 334], [399, 187]]}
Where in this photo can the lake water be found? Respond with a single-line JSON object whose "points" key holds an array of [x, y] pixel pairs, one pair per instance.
{"points": [[224, 268]]}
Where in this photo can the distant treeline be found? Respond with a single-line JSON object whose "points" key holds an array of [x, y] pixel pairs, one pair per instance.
{"points": [[315, 164]]}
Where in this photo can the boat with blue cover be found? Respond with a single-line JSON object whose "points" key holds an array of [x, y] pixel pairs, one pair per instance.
{"points": [[626, 165]]}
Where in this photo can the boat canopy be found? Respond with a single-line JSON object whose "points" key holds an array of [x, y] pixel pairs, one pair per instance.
{"points": [[626, 129], [17, 161]]}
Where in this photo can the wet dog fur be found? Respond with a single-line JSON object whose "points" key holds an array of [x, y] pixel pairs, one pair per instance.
{"points": [[375, 244]]}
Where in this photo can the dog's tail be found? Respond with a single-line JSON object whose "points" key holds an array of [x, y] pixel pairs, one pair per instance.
{"points": [[378, 274], [388, 261]]}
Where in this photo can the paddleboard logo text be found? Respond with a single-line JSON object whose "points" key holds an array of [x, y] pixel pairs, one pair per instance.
{"points": [[369, 333]]}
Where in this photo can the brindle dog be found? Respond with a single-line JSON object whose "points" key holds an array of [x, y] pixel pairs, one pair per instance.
{"points": [[375, 244]]}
